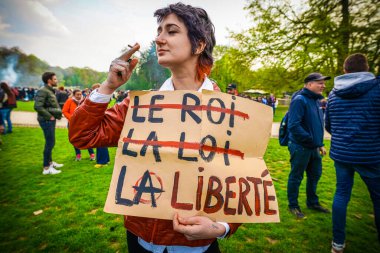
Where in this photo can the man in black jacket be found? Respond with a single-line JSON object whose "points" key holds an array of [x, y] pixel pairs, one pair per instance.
{"points": [[48, 109], [305, 145]]}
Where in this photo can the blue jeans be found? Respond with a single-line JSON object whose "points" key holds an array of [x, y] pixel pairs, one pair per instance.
{"points": [[77, 151], [48, 127], [301, 160], [102, 156], [344, 182], [6, 116]]}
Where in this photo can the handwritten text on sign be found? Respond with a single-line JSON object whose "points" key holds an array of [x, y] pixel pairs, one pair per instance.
{"points": [[192, 153]]}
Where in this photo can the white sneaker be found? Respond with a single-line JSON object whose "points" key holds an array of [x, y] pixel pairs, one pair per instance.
{"points": [[51, 171], [337, 248], [56, 165]]}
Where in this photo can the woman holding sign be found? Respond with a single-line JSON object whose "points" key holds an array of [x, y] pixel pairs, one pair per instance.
{"points": [[184, 44]]}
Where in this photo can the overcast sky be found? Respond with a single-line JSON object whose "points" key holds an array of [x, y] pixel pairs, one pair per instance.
{"points": [[92, 32]]}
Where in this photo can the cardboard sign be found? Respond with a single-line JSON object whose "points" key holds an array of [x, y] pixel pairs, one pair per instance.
{"points": [[196, 154]]}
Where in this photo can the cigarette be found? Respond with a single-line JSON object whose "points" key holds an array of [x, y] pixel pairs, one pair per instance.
{"points": [[132, 47]]}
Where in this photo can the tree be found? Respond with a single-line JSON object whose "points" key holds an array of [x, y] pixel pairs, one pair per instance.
{"points": [[231, 67], [316, 35], [148, 73]]}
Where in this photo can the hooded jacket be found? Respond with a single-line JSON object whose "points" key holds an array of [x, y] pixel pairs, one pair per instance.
{"points": [[353, 119], [305, 122]]}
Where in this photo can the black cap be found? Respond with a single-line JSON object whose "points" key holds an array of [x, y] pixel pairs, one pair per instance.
{"points": [[231, 86], [316, 77]]}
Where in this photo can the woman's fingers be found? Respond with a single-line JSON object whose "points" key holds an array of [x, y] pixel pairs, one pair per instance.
{"points": [[120, 71], [127, 55]]}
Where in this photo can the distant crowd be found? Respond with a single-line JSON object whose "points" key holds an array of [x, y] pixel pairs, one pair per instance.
{"points": [[63, 94], [270, 100]]}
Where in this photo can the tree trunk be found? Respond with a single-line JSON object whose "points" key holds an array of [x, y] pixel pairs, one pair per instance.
{"points": [[343, 48]]}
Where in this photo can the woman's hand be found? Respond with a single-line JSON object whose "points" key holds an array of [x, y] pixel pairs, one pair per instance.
{"points": [[120, 71], [197, 227]]}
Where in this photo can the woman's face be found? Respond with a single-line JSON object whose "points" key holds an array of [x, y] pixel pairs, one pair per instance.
{"points": [[78, 95], [173, 46]]}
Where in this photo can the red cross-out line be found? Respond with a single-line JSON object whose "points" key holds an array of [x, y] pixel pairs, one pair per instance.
{"points": [[194, 108], [186, 145]]}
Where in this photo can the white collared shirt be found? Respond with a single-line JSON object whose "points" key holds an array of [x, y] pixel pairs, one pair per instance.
{"points": [[168, 85]]}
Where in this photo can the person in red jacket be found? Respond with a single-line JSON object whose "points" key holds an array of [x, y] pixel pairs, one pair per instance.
{"points": [[68, 109], [184, 44]]}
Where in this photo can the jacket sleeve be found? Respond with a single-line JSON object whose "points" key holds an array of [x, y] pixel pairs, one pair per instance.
{"points": [[327, 118], [93, 125], [233, 228], [39, 102], [66, 109], [296, 113]]}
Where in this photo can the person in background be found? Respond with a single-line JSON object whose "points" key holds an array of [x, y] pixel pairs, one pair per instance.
{"points": [[16, 92], [62, 96], [272, 101], [265, 100], [184, 44], [8, 103], [232, 89], [323, 103], [85, 92], [68, 110], [47, 107], [2, 96], [305, 124], [102, 154], [353, 120]]}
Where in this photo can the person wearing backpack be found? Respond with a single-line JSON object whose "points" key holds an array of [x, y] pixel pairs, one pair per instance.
{"points": [[353, 120], [305, 126]]}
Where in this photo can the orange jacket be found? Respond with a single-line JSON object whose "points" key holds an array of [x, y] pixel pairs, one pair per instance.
{"points": [[93, 125], [69, 108]]}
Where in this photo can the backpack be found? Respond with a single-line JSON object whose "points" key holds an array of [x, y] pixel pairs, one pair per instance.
{"points": [[283, 133]]}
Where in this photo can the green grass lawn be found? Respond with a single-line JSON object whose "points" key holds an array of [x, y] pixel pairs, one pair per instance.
{"points": [[25, 106], [72, 202], [280, 113]]}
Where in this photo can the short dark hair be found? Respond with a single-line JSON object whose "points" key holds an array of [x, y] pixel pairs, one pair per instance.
{"points": [[5, 87], [200, 29], [77, 90], [47, 76], [356, 63]]}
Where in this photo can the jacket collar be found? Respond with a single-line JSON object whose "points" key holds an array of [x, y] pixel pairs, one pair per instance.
{"points": [[308, 93], [49, 88], [350, 79]]}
